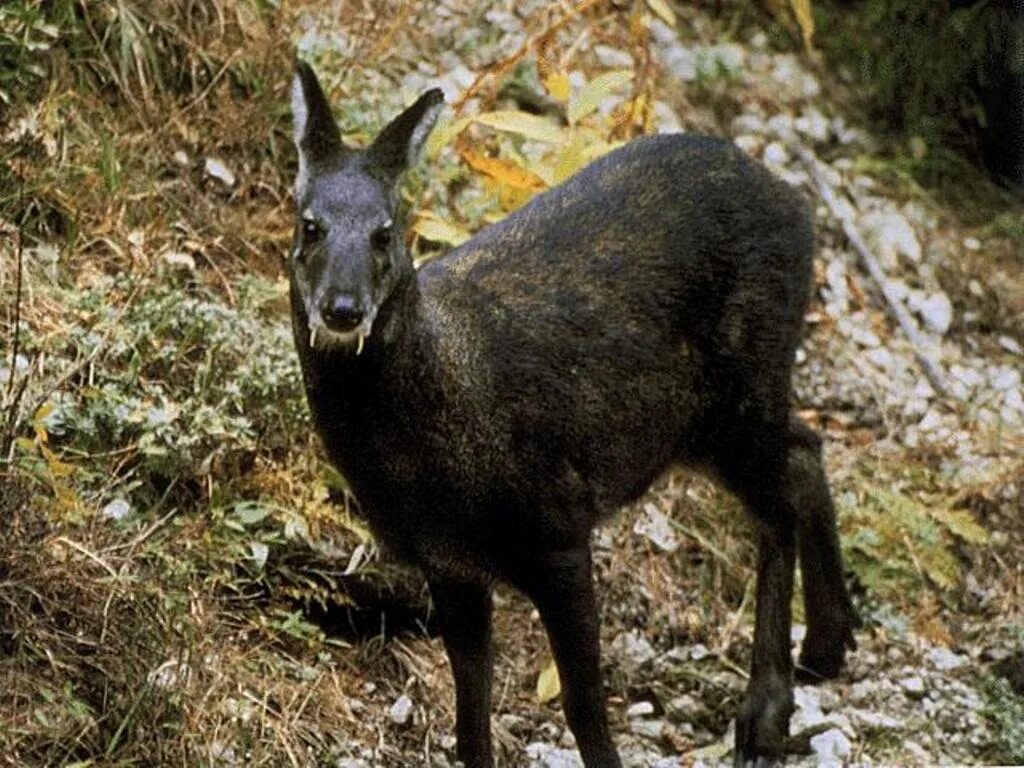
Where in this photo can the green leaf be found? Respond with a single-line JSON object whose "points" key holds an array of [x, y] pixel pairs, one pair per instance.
{"points": [[597, 90], [522, 124], [250, 512]]}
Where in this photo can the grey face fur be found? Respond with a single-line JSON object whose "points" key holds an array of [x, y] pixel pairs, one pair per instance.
{"points": [[348, 252]]}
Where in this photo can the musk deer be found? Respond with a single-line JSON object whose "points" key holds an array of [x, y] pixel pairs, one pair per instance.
{"points": [[490, 408]]}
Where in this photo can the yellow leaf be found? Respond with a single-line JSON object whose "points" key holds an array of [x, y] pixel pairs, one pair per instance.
{"points": [[597, 90], [557, 84], [445, 133], [549, 686], [505, 171], [25, 444], [440, 231], [804, 17], [523, 124], [661, 9]]}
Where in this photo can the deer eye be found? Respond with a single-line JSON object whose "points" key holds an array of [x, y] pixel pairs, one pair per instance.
{"points": [[312, 232], [380, 239]]}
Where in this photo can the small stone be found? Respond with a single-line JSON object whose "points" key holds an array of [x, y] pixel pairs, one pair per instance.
{"points": [[655, 526], [931, 421], [649, 729], [749, 143], [891, 236], [640, 709], [118, 509], [546, 756], [944, 659], [814, 125], [216, 169], [1011, 345], [775, 154], [1005, 378], [975, 288], [401, 710], [632, 648], [937, 312], [972, 244], [831, 747], [180, 158], [913, 687], [699, 651]]}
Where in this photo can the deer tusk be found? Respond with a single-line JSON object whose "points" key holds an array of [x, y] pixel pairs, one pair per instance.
{"points": [[312, 337], [359, 344]]}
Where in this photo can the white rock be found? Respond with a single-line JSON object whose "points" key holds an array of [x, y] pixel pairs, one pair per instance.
{"points": [[913, 687], [881, 358], [1011, 345], [944, 659], [699, 651], [869, 718], [1005, 378], [401, 710], [931, 421], [633, 648], [748, 122], [972, 243], [546, 756], [655, 526], [832, 747], [117, 510], [890, 235], [775, 154], [640, 709], [814, 125], [215, 168], [937, 312], [749, 143]]}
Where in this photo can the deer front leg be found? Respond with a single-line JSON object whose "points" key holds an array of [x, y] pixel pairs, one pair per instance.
{"points": [[763, 722], [464, 612], [561, 586]]}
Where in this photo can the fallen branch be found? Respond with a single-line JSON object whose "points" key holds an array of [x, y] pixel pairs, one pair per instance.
{"points": [[932, 370]]}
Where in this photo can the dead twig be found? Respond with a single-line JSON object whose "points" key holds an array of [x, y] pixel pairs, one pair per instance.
{"points": [[932, 370]]}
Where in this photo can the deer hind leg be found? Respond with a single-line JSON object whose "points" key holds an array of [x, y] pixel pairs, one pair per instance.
{"points": [[831, 617], [752, 465]]}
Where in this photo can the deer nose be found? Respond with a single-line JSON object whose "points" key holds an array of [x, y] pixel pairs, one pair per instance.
{"points": [[341, 313]]}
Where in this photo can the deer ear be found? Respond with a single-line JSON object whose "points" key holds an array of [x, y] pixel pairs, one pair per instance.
{"points": [[398, 145], [316, 134]]}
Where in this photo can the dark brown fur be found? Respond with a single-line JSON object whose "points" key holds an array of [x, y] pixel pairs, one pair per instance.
{"points": [[539, 377]]}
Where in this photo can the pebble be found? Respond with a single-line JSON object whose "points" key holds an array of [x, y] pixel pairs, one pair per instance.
{"points": [[891, 236], [913, 687], [814, 125], [832, 747], [655, 526], [775, 154], [632, 648], [546, 756], [1011, 345], [401, 710], [937, 313], [216, 169], [640, 709]]}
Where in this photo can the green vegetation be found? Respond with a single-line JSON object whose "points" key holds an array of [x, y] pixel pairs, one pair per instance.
{"points": [[920, 68]]}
